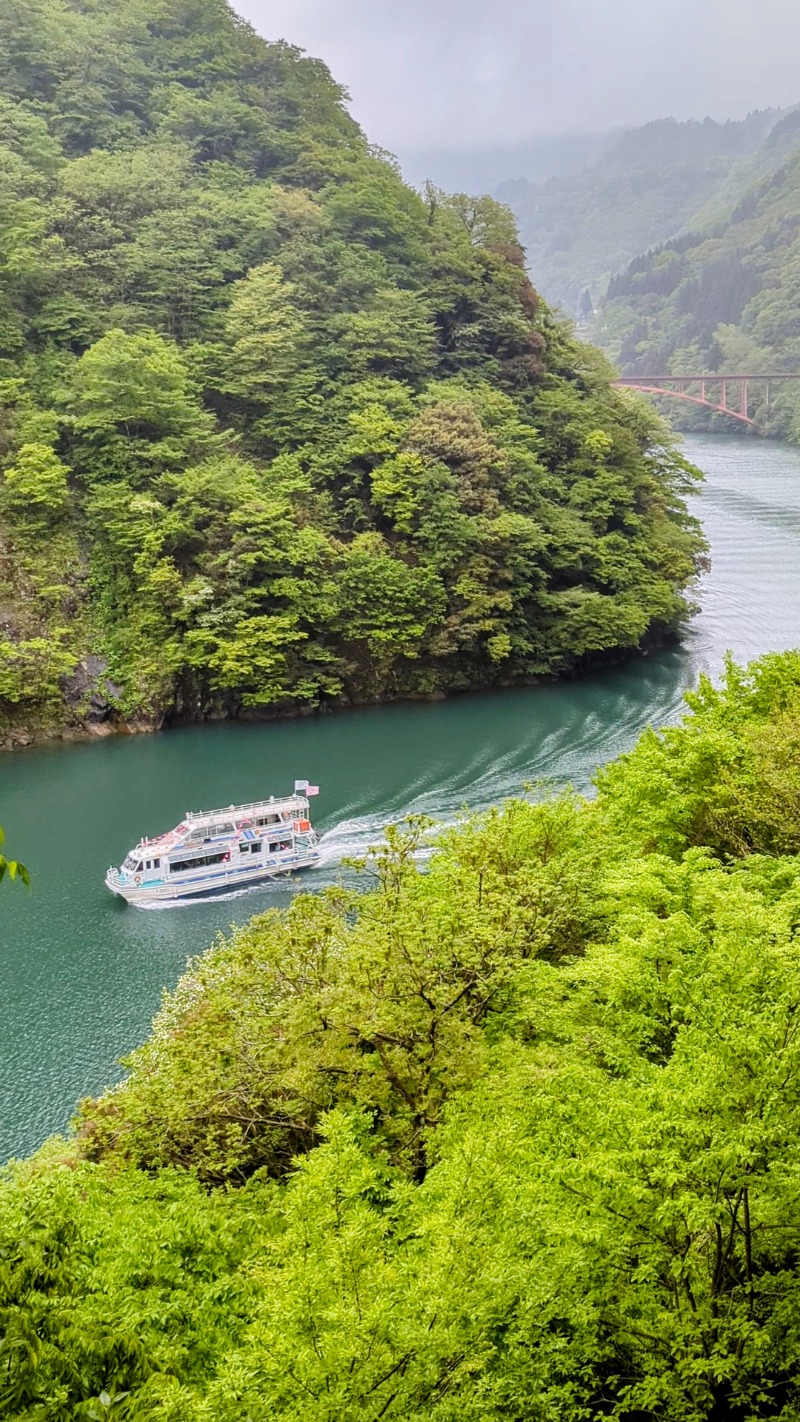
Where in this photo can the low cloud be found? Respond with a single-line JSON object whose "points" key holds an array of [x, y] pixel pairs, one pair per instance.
{"points": [[467, 73]]}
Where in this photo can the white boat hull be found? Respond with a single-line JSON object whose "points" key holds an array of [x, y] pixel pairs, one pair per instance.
{"points": [[223, 880]]}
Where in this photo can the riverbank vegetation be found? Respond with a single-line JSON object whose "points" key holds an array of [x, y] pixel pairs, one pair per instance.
{"points": [[512, 1133], [277, 430]]}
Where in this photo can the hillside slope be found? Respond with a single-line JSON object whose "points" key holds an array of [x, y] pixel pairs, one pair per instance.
{"points": [[275, 429], [580, 229], [725, 296], [514, 1134]]}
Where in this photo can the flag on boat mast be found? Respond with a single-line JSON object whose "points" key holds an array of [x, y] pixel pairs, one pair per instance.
{"points": [[302, 787]]}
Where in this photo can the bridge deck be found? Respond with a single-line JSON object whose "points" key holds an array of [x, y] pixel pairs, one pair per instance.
{"points": [[692, 387]]}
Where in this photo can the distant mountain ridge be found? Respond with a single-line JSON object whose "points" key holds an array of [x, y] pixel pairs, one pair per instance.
{"points": [[579, 229], [532, 160], [724, 295]]}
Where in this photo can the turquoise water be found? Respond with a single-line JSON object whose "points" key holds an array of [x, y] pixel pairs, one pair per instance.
{"points": [[81, 974]]}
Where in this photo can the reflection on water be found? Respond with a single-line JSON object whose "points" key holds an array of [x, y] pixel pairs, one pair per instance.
{"points": [[81, 974]]}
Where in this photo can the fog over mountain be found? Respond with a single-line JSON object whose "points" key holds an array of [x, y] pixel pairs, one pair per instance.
{"points": [[476, 169], [462, 74]]}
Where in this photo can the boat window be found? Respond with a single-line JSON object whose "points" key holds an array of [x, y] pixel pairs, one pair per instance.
{"points": [[156, 863], [268, 820], [199, 862], [280, 844]]}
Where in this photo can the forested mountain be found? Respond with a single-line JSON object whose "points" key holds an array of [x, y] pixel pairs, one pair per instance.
{"points": [[724, 296], [514, 1138], [580, 229], [276, 429]]}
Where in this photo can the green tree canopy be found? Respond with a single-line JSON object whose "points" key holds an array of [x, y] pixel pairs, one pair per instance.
{"points": [[278, 430], [510, 1132], [11, 867]]}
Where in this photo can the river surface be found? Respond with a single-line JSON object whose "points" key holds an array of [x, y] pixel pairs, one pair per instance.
{"points": [[81, 975]]}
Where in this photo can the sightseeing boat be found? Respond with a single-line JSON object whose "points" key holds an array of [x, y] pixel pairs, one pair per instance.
{"points": [[218, 851]]}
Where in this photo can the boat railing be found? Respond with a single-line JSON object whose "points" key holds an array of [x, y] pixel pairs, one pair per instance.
{"points": [[192, 816]]}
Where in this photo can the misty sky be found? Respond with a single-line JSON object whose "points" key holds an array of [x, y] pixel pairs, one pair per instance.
{"points": [[464, 73]]}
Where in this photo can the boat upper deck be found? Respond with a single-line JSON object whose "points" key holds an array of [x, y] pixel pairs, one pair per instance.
{"points": [[199, 825], [275, 805]]}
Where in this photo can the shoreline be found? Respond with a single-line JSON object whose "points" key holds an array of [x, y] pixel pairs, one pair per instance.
{"points": [[25, 737]]}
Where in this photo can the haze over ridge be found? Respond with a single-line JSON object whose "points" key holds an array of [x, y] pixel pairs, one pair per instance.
{"points": [[461, 74]]}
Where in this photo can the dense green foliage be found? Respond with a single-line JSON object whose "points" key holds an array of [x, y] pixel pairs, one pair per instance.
{"points": [[275, 428], [724, 295], [580, 228], [513, 1135], [11, 867]]}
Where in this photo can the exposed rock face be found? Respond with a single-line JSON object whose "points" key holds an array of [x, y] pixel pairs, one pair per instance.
{"points": [[88, 693]]}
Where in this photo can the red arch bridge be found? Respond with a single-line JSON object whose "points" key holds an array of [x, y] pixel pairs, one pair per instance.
{"points": [[724, 394]]}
